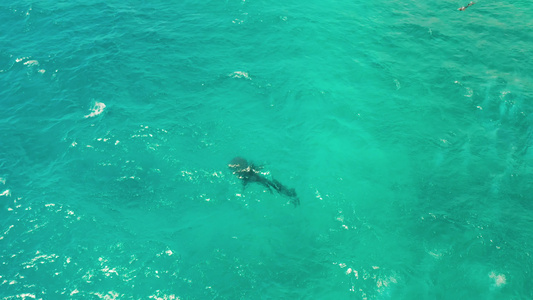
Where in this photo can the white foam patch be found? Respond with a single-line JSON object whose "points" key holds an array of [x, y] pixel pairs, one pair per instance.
{"points": [[469, 92], [111, 295], [158, 296], [97, 109], [240, 74], [31, 63], [24, 296], [499, 279]]}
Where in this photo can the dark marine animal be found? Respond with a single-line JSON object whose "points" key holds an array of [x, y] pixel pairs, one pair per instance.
{"points": [[248, 173], [467, 6]]}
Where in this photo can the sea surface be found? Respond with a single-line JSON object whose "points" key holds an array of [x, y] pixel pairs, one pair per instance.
{"points": [[405, 128]]}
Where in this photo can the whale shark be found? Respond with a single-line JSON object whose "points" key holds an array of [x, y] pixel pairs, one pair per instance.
{"points": [[248, 172]]}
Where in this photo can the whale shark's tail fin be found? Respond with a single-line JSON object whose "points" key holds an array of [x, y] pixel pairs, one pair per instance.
{"points": [[289, 192], [294, 198]]}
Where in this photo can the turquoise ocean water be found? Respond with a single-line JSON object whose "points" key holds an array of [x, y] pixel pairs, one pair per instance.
{"points": [[406, 128]]}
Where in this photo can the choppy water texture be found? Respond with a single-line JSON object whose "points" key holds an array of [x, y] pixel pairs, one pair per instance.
{"points": [[406, 128]]}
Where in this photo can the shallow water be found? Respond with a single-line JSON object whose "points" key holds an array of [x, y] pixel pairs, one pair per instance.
{"points": [[405, 128]]}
